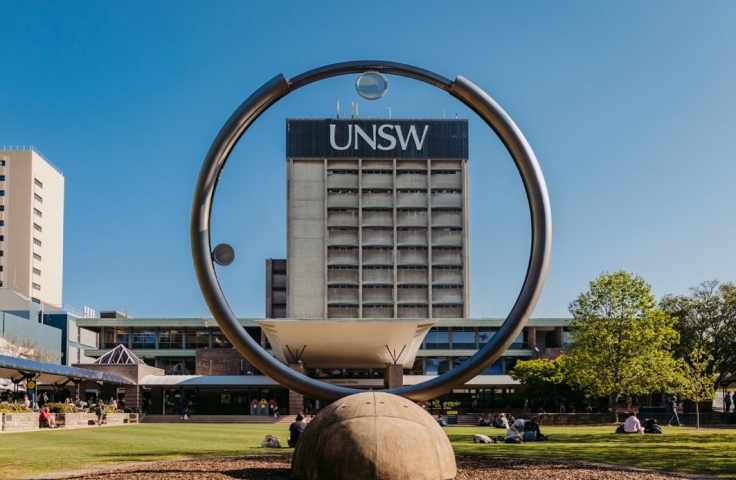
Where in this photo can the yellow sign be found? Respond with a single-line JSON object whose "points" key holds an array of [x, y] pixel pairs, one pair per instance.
{"points": [[31, 385]]}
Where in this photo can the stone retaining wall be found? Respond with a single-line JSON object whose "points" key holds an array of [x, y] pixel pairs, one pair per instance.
{"points": [[23, 422]]}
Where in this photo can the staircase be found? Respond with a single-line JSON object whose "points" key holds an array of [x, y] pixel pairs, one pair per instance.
{"points": [[241, 419]]}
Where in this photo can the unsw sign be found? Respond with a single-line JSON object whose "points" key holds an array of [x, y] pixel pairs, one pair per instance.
{"points": [[358, 138]]}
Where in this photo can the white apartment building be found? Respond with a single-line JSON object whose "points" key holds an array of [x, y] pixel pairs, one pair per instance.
{"points": [[31, 226]]}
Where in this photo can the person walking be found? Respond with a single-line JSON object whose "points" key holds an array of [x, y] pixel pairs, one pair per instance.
{"points": [[672, 411], [726, 403]]}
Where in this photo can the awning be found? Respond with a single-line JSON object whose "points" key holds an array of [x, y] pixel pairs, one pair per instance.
{"points": [[14, 368]]}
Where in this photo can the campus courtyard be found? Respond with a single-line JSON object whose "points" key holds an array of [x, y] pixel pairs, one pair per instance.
{"points": [[221, 451]]}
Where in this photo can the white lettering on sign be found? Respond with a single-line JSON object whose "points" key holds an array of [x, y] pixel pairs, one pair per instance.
{"points": [[375, 139]]}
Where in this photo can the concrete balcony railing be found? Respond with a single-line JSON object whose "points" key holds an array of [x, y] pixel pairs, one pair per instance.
{"points": [[412, 312], [447, 238], [278, 297], [413, 238], [377, 312], [447, 200], [372, 180], [446, 181], [342, 238], [342, 219], [447, 277], [341, 164], [378, 219], [378, 237], [413, 218], [279, 281], [412, 295], [378, 257], [333, 312], [412, 257], [378, 295], [445, 295], [342, 257], [411, 199], [441, 218], [342, 295], [378, 276], [342, 277], [454, 312], [342, 200], [447, 257], [342, 181], [411, 180], [378, 199], [412, 276]]}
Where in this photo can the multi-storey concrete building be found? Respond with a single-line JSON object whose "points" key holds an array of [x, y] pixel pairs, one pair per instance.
{"points": [[377, 219], [31, 226]]}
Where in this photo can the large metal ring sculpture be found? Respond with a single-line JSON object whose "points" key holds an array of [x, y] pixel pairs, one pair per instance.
{"points": [[470, 95]]}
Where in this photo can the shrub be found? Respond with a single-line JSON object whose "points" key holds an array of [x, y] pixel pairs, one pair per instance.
{"points": [[63, 408], [108, 409], [14, 408]]}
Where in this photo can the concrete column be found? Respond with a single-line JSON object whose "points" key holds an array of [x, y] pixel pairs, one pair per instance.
{"points": [[558, 337], [532, 340], [393, 376], [296, 400]]}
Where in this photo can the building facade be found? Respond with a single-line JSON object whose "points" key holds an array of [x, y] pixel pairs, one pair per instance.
{"points": [[31, 226], [377, 219]]}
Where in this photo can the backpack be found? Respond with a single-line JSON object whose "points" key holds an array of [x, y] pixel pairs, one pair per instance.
{"points": [[482, 439], [271, 442], [529, 436]]}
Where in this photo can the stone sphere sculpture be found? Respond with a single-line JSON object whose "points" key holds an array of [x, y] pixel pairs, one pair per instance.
{"points": [[389, 437]]}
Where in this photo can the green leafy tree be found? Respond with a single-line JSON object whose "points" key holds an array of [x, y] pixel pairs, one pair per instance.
{"points": [[707, 321], [699, 384], [543, 379], [621, 343]]}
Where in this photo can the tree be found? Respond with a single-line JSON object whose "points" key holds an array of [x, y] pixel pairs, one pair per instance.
{"points": [[706, 319], [542, 379], [698, 384], [621, 344]]}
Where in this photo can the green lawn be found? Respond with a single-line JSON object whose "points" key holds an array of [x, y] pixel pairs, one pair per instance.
{"points": [[679, 449]]}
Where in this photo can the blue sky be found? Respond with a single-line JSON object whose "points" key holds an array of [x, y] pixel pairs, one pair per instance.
{"points": [[630, 107]]}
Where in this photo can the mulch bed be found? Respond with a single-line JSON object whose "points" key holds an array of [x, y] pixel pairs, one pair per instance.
{"points": [[277, 468]]}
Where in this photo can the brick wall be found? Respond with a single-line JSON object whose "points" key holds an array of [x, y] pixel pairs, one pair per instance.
{"points": [[220, 361]]}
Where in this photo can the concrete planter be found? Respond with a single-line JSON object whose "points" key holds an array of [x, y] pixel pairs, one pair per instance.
{"points": [[19, 422]]}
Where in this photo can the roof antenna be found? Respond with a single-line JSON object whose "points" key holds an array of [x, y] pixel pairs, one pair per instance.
{"points": [[337, 108]]}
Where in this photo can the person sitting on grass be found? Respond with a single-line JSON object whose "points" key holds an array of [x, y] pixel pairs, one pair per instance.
{"points": [[632, 424], [501, 422], [532, 432], [46, 418], [441, 421], [514, 433], [296, 430]]}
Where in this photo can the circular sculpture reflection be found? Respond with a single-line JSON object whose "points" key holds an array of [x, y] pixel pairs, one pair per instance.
{"points": [[470, 95]]}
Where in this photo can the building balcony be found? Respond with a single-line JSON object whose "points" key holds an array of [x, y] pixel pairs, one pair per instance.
{"points": [[342, 238], [413, 218], [372, 311], [443, 218], [342, 200], [411, 180], [447, 277], [278, 297], [447, 238], [378, 237], [447, 181], [378, 295], [378, 276], [412, 276], [445, 295], [412, 311], [452, 312], [342, 312], [413, 238], [342, 277], [412, 295], [342, 181], [372, 180], [378, 199], [447, 200], [342, 219], [378, 257], [278, 281], [342, 257], [342, 295], [411, 199], [412, 257], [378, 219]]}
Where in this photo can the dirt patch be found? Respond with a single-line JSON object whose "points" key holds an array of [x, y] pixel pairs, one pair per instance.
{"points": [[277, 468]]}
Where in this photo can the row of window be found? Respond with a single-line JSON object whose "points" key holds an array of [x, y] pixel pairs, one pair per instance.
{"points": [[353, 191], [390, 172]]}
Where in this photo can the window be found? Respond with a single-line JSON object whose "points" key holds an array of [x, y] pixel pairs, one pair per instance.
{"points": [[2, 163], [116, 336], [2, 208], [37, 242], [36, 286], [197, 338], [38, 198], [37, 212], [484, 336], [1, 253], [1, 268], [37, 272], [144, 338], [2, 193], [169, 339], [2, 178], [438, 339], [2, 223], [437, 366], [38, 183], [35, 300], [463, 338], [37, 227], [2, 238], [37, 257]]}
